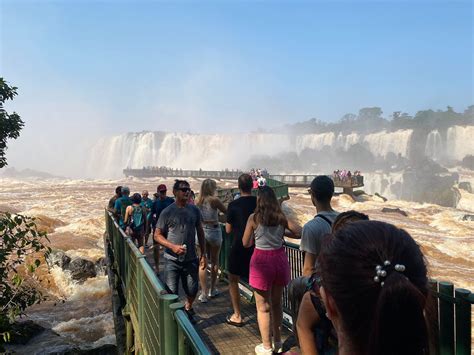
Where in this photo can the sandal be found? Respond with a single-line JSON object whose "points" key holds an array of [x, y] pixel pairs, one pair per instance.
{"points": [[231, 322]]}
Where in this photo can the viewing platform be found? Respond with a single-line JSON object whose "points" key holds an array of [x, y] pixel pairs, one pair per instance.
{"points": [[292, 180], [150, 320]]}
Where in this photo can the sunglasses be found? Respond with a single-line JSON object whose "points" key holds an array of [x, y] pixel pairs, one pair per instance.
{"points": [[184, 189]]}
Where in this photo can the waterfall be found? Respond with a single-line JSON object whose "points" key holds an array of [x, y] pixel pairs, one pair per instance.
{"points": [[434, 145], [459, 142]]}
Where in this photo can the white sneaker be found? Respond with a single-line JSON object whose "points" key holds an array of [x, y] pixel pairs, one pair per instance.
{"points": [[261, 350], [278, 347], [213, 293], [202, 298]]}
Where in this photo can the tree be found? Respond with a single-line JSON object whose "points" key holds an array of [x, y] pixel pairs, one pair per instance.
{"points": [[22, 249], [10, 124]]}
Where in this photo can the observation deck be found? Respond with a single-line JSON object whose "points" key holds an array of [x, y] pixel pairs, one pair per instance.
{"points": [[149, 320]]}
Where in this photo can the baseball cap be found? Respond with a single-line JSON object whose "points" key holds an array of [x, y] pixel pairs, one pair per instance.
{"points": [[161, 187]]}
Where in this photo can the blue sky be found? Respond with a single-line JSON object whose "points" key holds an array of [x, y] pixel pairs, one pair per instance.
{"points": [[89, 68]]}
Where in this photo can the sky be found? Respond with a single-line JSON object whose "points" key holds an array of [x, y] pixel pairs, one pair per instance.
{"points": [[86, 69]]}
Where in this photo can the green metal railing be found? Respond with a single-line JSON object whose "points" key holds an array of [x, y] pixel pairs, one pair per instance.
{"points": [[151, 314]]}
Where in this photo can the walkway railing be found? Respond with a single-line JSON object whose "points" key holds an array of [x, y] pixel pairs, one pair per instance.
{"points": [[151, 314]]}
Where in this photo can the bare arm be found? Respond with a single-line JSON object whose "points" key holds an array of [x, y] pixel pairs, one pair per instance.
{"points": [[308, 318], [308, 266], [216, 203], [128, 213], [294, 230], [228, 228], [160, 239], [202, 245], [247, 239]]}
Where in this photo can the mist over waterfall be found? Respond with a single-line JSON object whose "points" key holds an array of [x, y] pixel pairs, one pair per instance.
{"points": [[219, 151]]}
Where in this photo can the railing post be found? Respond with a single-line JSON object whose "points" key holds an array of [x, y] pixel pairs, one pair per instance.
{"points": [[463, 322], [141, 321], [446, 318], [170, 339], [182, 348], [434, 331]]}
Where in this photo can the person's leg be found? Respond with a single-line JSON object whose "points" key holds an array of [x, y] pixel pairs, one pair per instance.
{"points": [[262, 301], [139, 236], [189, 280], [214, 255], [276, 312], [235, 298], [172, 273], [203, 280], [296, 290]]}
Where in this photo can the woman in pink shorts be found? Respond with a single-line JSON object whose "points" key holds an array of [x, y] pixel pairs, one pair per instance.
{"points": [[269, 267]]}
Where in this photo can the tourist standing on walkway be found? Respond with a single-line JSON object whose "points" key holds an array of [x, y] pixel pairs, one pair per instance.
{"points": [[161, 202], [121, 205], [118, 194], [315, 332], [314, 231], [176, 230], [135, 221], [375, 290], [239, 258], [147, 203], [269, 267], [210, 205]]}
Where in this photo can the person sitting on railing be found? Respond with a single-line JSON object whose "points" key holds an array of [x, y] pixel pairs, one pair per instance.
{"points": [[135, 221], [210, 205], [269, 267], [239, 259], [176, 230], [314, 231], [315, 332], [375, 290], [121, 205]]}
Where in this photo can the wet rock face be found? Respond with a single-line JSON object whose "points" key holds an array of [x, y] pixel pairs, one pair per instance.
{"points": [[58, 258], [394, 210], [468, 217], [466, 186], [22, 332], [82, 269]]}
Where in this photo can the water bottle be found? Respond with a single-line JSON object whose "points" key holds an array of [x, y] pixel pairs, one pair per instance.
{"points": [[181, 257]]}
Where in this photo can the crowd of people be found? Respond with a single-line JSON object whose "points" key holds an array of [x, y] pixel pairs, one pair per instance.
{"points": [[364, 287], [258, 177], [346, 176]]}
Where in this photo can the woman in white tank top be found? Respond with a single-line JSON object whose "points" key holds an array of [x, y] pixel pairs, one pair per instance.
{"points": [[210, 205]]}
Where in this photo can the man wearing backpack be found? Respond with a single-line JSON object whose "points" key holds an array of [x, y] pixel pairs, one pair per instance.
{"points": [[314, 231], [135, 220]]}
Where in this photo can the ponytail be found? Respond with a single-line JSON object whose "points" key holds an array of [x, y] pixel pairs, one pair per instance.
{"points": [[399, 325]]}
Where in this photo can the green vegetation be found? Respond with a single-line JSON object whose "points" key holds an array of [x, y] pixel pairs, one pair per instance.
{"points": [[371, 119], [22, 250], [10, 124]]}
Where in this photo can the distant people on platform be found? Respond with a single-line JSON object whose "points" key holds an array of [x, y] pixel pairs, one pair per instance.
{"points": [[210, 205], [175, 231], [238, 213], [345, 176], [258, 177], [147, 203], [161, 202], [269, 267], [121, 205], [314, 231], [118, 194], [135, 221], [315, 332], [375, 291]]}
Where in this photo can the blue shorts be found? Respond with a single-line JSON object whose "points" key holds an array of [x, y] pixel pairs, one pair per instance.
{"points": [[186, 271]]}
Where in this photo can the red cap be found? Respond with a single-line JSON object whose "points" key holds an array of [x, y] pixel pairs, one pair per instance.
{"points": [[161, 187]]}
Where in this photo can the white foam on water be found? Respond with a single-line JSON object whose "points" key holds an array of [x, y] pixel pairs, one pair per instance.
{"points": [[88, 329]]}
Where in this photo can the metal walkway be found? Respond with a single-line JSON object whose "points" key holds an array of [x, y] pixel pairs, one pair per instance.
{"points": [[211, 325]]}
